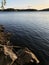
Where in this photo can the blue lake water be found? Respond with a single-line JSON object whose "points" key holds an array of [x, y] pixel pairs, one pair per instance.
{"points": [[30, 29]]}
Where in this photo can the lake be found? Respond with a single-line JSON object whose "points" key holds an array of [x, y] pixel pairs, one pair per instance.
{"points": [[30, 29]]}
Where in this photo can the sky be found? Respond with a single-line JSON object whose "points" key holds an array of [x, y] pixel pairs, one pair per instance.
{"points": [[36, 4]]}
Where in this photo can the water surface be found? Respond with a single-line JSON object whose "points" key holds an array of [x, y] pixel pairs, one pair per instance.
{"points": [[30, 29]]}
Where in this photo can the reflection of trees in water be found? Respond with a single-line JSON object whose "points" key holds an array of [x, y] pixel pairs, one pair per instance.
{"points": [[3, 3]]}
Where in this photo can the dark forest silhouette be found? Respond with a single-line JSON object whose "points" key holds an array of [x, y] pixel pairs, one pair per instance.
{"points": [[12, 9]]}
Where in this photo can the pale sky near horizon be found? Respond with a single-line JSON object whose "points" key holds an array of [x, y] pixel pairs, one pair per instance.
{"points": [[37, 4]]}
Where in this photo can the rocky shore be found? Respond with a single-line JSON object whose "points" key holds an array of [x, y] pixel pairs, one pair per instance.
{"points": [[9, 56]]}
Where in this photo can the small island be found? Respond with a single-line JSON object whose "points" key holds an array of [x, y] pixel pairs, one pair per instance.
{"points": [[47, 9]]}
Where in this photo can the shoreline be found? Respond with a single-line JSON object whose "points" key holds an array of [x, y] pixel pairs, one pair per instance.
{"points": [[24, 10]]}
